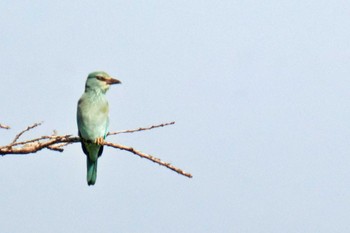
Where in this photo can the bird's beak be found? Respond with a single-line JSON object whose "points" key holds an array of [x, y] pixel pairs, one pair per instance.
{"points": [[111, 81]]}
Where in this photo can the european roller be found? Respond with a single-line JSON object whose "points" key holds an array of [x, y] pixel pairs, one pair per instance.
{"points": [[93, 119]]}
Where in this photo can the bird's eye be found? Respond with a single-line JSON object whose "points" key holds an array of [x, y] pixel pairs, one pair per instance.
{"points": [[100, 78]]}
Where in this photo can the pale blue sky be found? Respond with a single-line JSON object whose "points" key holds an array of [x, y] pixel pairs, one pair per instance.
{"points": [[259, 91]]}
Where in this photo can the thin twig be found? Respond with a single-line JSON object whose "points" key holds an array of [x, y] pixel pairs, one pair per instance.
{"points": [[31, 140], [140, 129]]}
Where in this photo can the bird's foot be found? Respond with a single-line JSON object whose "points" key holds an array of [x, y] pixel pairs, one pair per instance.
{"points": [[99, 141]]}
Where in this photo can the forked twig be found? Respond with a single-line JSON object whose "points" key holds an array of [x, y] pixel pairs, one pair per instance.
{"points": [[25, 130]]}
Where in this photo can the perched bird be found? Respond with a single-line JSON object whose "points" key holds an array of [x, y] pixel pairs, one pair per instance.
{"points": [[93, 119]]}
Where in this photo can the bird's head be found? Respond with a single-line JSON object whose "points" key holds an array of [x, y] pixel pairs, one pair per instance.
{"points": [[100, 80]]}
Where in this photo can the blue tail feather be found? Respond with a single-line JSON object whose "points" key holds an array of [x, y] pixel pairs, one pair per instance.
{"points": [[91, 171]]}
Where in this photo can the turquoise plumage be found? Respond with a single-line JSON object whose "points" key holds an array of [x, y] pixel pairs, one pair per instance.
{"points": [[93, 119]]}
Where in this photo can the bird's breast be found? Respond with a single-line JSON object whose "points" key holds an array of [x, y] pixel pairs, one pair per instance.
{"points": [[93, 117]]}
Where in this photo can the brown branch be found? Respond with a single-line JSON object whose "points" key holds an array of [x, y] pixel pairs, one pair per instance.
{"points": [[149, 157], [35, 145], [57, 142]]}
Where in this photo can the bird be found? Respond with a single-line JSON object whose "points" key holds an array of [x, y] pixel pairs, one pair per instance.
{"points": [[93, 119]]}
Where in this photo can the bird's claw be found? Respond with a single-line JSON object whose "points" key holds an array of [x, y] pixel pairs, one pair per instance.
{"points": [[99, 141]]}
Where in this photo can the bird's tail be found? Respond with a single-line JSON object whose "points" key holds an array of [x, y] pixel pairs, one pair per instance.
{"points": [[91, 171]]}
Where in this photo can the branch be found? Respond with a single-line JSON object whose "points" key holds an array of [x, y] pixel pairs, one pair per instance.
{"points": [[149, 157], [57, 142]]}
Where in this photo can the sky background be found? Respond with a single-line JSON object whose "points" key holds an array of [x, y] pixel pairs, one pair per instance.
{"points": [[259, 91]]}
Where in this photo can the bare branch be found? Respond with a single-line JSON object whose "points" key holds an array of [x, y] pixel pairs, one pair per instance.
{"points": [[4, 126], [57, 142], [141, 129], [149, 157]]}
